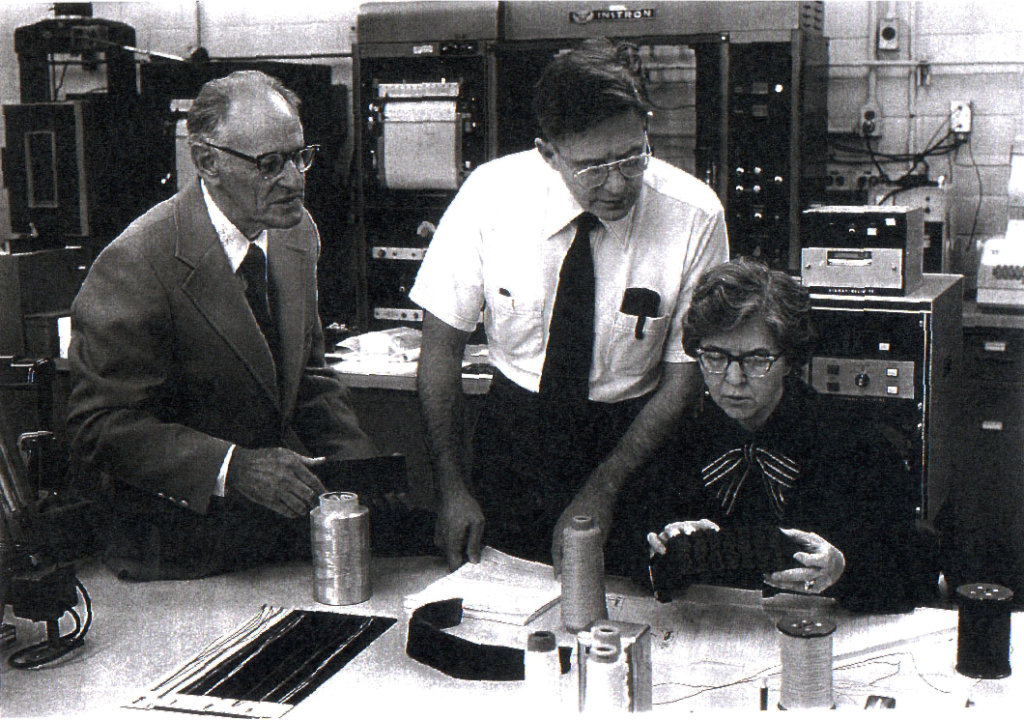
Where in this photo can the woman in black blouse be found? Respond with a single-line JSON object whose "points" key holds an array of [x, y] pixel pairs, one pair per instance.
{"points": [[761, 452]]}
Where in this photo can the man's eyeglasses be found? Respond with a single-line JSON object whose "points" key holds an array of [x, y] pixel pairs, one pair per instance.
{"points": [[271, 164], [755, 364], [631, 167]]}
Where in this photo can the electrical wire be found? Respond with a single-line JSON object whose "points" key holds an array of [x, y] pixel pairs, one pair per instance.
{"points": [[909, 179], [877, 156], [60, 84], [874, 160], [981, 192], [709, 688], [847, 686], [43, 652]]}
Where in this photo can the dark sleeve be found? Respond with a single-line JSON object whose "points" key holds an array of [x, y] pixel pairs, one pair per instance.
{"points": [[866, 510], [669, 491], [323, 418]]}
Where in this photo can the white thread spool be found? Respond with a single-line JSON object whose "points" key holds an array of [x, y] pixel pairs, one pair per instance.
{"points": [[806, 650], [543, 671], [607, 634], [605, 682], [341, 549], [583, 598]]}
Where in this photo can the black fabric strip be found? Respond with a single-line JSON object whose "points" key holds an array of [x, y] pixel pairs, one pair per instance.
{"points": [[292, 659], [460, 658]]}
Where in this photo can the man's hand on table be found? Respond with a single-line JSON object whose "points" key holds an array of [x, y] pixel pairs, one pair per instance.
{"points": [[275, 478], [460, 528], [593, 500]]}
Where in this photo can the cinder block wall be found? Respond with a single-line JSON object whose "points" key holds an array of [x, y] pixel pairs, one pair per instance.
{"points": [[969, 50], [972, 50]]}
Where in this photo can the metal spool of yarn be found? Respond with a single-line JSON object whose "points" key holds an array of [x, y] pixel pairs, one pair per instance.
{"points": [[341, 549]]}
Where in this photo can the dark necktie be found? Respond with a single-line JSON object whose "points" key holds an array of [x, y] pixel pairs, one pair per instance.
{"points": [[571, 333], [254, 271]]}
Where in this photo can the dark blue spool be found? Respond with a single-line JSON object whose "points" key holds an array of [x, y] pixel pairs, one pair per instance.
{"points": [[983, 630]]}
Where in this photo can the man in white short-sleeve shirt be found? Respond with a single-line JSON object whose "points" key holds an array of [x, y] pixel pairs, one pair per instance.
{"points": [[543, 455]]}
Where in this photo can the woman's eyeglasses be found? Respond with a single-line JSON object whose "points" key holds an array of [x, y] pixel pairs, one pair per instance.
{"points": [[755, 364]]}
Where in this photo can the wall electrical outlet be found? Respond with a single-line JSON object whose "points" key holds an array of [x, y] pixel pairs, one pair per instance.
{"points": [[959, 116], [869, 121], [889, 34]]}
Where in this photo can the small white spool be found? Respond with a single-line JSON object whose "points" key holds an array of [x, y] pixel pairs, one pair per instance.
{"points": [[606, 681], [543, 671]]}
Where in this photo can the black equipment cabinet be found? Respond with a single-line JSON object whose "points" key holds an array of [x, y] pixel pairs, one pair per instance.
{"points": [[418, 66], [778, 125], [71, 178], [895, 363], [396, 219], [990, 471]]}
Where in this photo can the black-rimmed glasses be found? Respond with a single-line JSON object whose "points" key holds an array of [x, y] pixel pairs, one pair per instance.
{"points": [[271, 164], [717, 362], [631, 167]]}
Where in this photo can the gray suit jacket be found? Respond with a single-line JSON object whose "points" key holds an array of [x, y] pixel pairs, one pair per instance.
{"points": [[170, 369]]}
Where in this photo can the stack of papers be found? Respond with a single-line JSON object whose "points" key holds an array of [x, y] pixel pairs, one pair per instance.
{"points": [[500, 587], [397, 344]]}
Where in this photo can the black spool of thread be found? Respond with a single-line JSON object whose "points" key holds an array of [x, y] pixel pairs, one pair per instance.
{"points": [[983, 630]]}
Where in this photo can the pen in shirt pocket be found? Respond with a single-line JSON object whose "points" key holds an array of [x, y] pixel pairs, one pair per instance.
{"points": [[504, 292]]}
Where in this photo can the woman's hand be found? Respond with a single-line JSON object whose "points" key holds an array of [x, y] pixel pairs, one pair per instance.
{"points": [[686, 527], [822, 563]]}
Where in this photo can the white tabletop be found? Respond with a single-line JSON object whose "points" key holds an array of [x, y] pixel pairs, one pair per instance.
{"points": [[710, 639]]}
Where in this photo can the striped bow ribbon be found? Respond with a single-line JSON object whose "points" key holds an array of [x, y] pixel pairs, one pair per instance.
{"points": [[727, 473]]}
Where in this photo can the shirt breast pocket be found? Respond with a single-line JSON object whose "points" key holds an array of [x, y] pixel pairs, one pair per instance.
{"points": [[514, 327], [633, 356]]}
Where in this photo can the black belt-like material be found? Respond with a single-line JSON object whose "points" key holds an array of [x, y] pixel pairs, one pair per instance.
{"points": [[460, 658]]}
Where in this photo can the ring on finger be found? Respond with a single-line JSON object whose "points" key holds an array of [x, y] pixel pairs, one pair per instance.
{"points": [[808, 585]]}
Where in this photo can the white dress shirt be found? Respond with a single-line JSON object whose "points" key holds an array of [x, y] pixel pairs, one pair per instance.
{"points": [[500, 246]]}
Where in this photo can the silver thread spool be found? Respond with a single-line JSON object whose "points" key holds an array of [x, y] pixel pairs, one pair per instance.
{"points": [[583, 598], [806, 650], [341, 549], [543, 671]]}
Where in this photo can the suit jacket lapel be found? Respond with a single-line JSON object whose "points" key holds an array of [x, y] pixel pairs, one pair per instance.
{"points": [[285, 268], [217, 292]]}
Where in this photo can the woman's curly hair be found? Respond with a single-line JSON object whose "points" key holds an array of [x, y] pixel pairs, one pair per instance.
{"points": [[730, 294]]}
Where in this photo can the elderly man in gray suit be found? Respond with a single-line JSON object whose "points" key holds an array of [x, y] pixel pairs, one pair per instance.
{"points": [[201, 391]]}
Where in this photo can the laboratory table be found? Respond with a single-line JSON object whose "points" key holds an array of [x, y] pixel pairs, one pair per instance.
{"points": [[710, 649]]}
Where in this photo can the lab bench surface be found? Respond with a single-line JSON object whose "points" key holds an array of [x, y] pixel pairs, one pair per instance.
{"points": [[710, 649]]}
